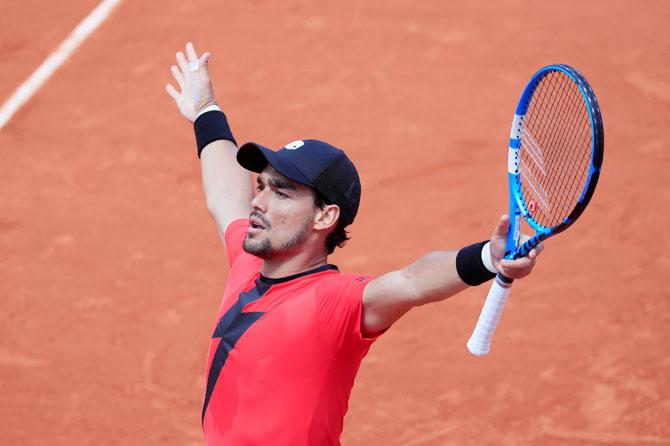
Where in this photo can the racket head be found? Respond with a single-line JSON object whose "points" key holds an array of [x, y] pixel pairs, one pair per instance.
{"points": [[555, 154]]}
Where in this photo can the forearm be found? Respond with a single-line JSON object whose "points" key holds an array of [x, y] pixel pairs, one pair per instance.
{"points": [[227, 186], [225, 183], [432, 278], [438, 276]]}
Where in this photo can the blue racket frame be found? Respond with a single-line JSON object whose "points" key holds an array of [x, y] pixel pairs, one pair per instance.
{"points": [[517, 205], [480, 342]]}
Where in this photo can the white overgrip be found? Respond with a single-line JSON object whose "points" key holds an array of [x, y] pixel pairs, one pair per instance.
{"points": [[479, 343]]}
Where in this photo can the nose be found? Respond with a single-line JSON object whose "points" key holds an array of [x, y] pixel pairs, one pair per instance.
{"points": [[260, 202]]}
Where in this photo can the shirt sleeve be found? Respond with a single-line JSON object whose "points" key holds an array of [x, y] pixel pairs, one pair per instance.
{"points": [[341, 309]]}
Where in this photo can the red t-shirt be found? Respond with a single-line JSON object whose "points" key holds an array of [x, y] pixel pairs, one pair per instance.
{"points": [[284, 353]]}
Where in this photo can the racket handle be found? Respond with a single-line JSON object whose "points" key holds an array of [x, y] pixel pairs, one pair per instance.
{"points": [[480, 341]]}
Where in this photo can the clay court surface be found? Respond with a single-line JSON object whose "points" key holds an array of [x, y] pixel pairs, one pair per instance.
{"points": [[111, 271]]}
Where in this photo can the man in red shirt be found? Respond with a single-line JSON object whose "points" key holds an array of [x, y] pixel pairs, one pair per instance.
{"points": [[292, 330]]}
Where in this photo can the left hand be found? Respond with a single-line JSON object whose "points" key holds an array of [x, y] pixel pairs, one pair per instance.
{"points": [[514, 269]]}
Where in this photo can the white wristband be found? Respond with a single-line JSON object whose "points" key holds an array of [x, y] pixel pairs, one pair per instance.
{"points": [[486, 258], [208, 109]]}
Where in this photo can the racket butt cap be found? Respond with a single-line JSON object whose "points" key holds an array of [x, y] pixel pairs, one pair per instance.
{"points": [[477, 349]]}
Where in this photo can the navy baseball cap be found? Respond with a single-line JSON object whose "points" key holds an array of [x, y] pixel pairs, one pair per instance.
{"points": [[313, 163]]}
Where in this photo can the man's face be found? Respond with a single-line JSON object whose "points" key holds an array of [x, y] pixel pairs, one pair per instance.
{"points": [[282, 216]]}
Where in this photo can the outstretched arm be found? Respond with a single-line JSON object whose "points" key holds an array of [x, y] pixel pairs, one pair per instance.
{"points": [[432, 278], [227, 186]]}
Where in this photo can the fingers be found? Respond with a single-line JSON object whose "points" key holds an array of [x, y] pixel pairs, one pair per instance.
{"points": [[536, 251], [190, 52], [191, 63], [172, 92], [178, 76], [181, 61], [533, 252], [516, 269], [194, 60], [521, 267]]}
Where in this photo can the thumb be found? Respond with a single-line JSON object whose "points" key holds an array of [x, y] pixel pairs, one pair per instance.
{"points": [[500, 231]]}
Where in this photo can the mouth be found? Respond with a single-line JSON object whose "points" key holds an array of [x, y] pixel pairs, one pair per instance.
{"points": [[256, 225]]}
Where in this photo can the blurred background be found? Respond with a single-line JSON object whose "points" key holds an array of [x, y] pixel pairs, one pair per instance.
{"points": [[111, 272]]}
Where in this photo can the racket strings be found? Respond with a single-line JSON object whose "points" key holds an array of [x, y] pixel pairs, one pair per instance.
{"points": [[555, 149], [563, 186], [562, 135], [582, 128], [576, 161]]}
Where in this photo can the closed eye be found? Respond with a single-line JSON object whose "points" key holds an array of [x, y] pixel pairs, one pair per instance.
{"points": [[278, 186], [277, 192]]}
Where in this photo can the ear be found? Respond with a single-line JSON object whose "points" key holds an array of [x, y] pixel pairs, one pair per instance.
{"points": [[326, 218]]}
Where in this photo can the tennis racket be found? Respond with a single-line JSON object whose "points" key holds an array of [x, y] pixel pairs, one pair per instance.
{"points": [[553, 164]]}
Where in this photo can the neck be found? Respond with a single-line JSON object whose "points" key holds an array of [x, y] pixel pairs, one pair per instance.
{"points": [[295, 264]]}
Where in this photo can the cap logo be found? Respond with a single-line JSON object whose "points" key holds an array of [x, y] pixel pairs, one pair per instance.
{"points": [[294, 145]]}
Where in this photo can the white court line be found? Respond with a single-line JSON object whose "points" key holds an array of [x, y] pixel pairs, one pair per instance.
{"points": [[30, 86]]}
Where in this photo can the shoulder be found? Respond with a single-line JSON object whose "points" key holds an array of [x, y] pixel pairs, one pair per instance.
{"points": [[342, 289], [340, 307], [342, 282]]}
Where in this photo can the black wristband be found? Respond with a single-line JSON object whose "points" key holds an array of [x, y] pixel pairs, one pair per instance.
{"points": [[211, 126], [470, 267]]}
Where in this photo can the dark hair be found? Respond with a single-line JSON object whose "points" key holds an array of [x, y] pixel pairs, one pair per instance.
{"points": [[338, 237]]}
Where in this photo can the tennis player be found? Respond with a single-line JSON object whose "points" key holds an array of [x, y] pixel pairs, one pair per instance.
{"points": [[292, 329]]}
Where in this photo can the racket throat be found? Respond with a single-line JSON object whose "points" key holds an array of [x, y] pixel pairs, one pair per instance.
{"points": [[514, 232]]}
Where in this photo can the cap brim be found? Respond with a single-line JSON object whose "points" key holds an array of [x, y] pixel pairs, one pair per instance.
{"points": [[255, 157]]}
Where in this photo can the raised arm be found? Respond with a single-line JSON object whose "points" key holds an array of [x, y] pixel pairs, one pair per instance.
{"points": [[227, 186], [432, 278]]}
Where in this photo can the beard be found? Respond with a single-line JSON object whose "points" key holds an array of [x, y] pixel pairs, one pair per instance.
{"points": [[265, 250]]}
